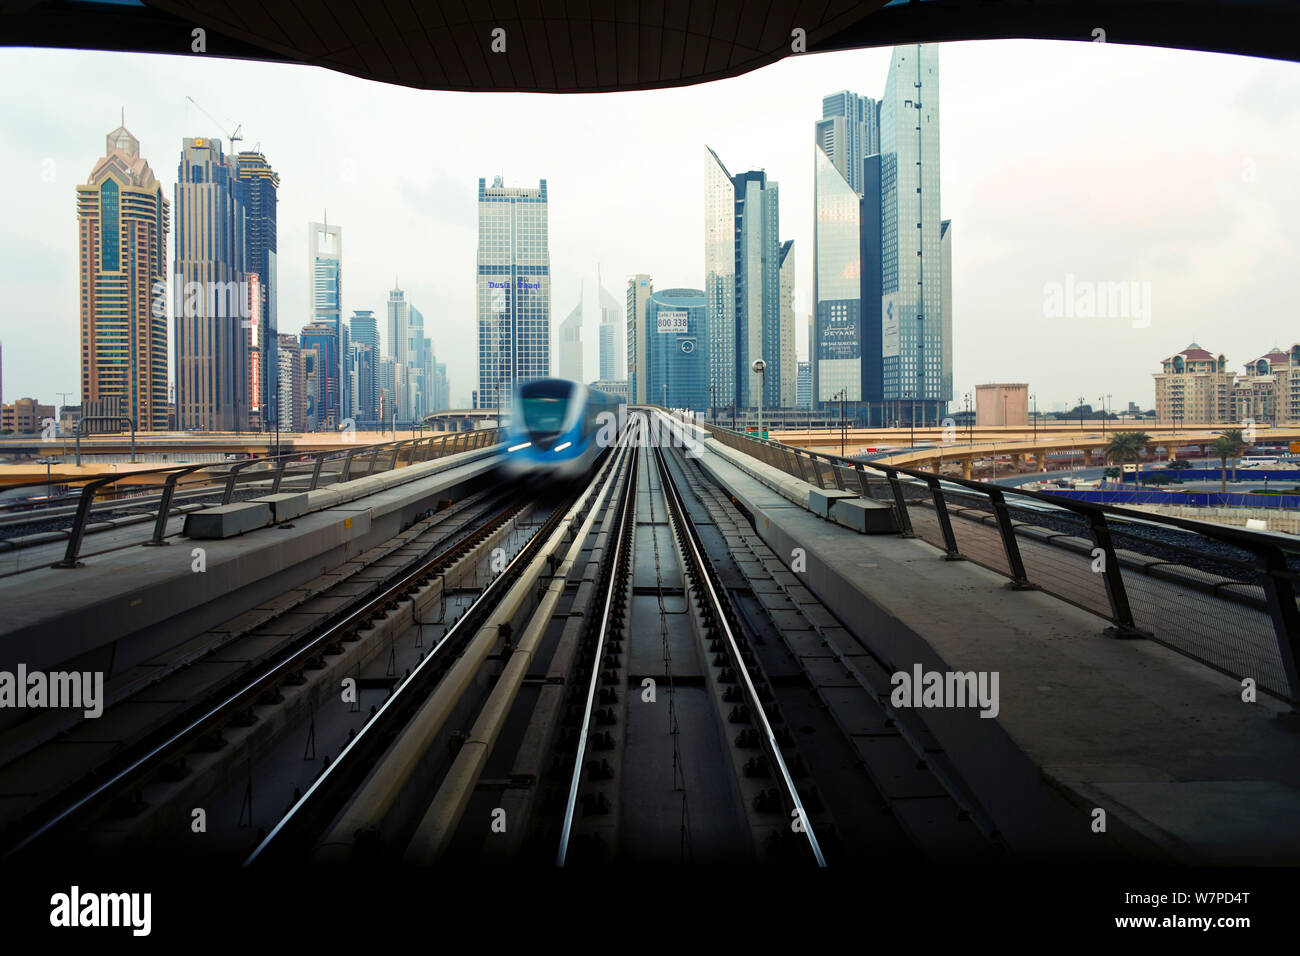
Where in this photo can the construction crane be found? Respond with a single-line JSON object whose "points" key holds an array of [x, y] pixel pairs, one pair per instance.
{"points": [[233, 137]]}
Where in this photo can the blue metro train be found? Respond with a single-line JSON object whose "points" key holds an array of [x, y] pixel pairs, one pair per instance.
{"points": [[557, 429]]}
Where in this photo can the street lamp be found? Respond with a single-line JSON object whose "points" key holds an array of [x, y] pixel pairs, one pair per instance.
{"points": [[713, 407], [759, 366], [1101, 399], [911, 420], [1034, 399], [970, 422], [844, 392]]}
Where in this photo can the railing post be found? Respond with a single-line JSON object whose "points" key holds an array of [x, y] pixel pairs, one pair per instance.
{"points": [[862, 479], [165, 506], [1121, 613], [229, 491], [815, 459], [900, 506], [798, 462], [370, 465], [315, 471], [79, 523], [279, 474], [346, 474], [1019, 582], [1279, 591], [835, 472], [945, 520]]}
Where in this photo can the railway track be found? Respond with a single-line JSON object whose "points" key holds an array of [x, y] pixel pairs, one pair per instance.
{"points": [[643, 681], [234, 681], [374, 800]]}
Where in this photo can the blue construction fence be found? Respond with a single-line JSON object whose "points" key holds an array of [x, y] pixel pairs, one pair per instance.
{"points": [[1216, 474], [1195, 499]]}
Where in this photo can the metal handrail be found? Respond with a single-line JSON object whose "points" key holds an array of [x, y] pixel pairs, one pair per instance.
{"points": [[92, 484], [1270, 568]]}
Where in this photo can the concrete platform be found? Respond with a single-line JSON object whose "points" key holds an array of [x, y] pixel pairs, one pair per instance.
{"points": [[1184, 769], [864, 516], [127, 606], [226, 521], [821, 499], [285, 506]]}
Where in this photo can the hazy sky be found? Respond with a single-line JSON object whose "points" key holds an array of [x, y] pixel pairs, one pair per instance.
{"points": [[1098, 161]]}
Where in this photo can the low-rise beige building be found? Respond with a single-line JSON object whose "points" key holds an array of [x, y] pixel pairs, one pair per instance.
{"points": [[26, 416], [1002, 404]]}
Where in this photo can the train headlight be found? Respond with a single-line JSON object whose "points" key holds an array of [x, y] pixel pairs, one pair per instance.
{"points": [[519, 447], [563, 446]]}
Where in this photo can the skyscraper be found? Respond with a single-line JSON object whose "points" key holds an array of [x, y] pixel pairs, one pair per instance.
{"points": [[788, 358], [849, 132], [291, 384], [610, 365], [914, 326], [742, 283], [261, 184], [837, 283], [211, 294], [639, 290], [398, 318], [364, 328], [677, 373], [325, 267], [569, 347], [122, 223], [320, 341], [416, 372], [514, 289], [363, 338]]}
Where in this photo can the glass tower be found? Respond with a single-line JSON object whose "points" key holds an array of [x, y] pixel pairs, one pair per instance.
{"points": [[849, 132], [742, 282], [678, 372], [916, 371], [514, 289], [210, 294], [325, 262], [261, 186]]}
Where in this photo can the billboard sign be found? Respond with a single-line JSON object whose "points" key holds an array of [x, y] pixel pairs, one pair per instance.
{"points": [[889, 325], [839, 336], [672, 322]]}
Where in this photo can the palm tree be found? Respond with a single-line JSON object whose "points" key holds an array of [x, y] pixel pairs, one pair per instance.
{"points": [[1238, 447], [1223, 449], [1126, 446]]}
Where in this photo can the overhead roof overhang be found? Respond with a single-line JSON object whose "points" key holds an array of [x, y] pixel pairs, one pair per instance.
{"points": [[587, 46]]}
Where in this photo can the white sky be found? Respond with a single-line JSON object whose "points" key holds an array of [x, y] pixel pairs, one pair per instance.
{"points": [[1106, 162]]}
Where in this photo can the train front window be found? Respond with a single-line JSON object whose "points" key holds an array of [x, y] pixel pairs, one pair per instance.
{"points": [[543, 414]]}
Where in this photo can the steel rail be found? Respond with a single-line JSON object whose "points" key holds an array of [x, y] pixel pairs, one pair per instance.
{"points": [[620, 557], [368, 738], [695, 556], [251, 687]]}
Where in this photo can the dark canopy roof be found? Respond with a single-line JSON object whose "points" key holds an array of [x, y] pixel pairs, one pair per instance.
{"points": [[572, 46]]}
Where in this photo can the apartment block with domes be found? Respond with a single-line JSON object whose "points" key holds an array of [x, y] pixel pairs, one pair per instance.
{"points": [[1195, 386]]}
